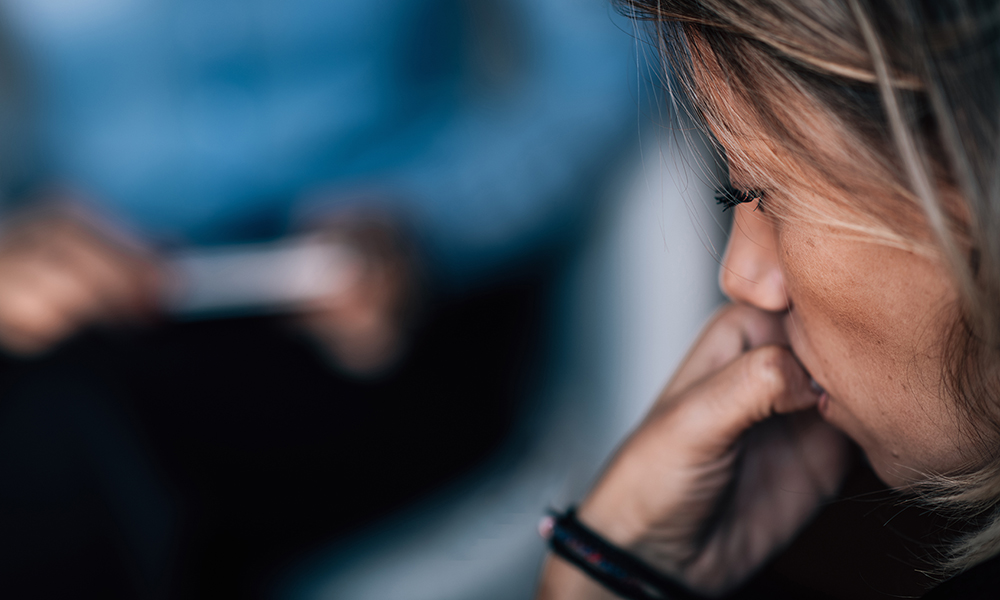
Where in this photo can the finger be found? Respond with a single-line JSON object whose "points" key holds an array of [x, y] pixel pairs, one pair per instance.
{"points": [[823, 449], [30, 322], [762, 382], [121, 283], [374, 296], [789, 467], [732, 331], [61, 287], [790, 464]]}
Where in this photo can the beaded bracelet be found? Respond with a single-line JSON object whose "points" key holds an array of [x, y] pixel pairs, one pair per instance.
{"points": [[612, 567]]}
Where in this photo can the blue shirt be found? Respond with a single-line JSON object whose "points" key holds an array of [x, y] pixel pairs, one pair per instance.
{"points": [[192, 120]]}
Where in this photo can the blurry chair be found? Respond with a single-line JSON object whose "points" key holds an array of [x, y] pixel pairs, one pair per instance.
{"points": [[630, 306]]}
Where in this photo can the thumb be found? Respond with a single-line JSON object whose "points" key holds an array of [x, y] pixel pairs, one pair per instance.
{"points": [[765, 381]]}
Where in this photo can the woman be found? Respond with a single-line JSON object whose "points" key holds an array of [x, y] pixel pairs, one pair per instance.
{"points": [[864, 268]]}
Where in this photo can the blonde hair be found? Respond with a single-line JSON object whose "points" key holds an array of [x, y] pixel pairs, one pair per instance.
{"points": [[912, 92]]}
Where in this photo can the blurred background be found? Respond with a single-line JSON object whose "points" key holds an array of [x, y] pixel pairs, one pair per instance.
{"points": [[628, 306], [327, 299]]}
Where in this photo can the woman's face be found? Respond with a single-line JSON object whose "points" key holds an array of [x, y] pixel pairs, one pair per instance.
{"points": [[867, 321]]}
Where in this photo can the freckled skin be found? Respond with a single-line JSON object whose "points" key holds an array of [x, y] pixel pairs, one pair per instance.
{"points": [[868, 322]]}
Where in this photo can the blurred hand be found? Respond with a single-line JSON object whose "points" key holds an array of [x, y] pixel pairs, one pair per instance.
{"points": [[726, 468], [364, 327], [59, 274]]}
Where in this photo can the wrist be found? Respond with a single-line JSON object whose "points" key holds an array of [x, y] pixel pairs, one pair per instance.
{"points": [[621, 522], [614, 567], [561, 580], [614, 521]]}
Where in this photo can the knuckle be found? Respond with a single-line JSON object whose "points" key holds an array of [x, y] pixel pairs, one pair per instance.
{"points": [[731, 315], [769, 369], [32, 315], [728, 327], [742, 322]]}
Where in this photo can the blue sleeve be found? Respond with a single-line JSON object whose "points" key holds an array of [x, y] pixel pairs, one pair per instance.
{"points": [[504, 170]]}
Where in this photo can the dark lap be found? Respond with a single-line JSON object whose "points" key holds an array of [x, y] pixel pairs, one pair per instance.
{"points": [[196, 459]]}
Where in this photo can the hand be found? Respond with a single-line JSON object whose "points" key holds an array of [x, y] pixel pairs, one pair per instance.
{"points": [[59, 273], [729, 464], [363, 328]]}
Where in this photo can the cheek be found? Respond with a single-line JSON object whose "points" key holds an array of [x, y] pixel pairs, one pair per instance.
{"points": [[866, 321], [848, 291]]}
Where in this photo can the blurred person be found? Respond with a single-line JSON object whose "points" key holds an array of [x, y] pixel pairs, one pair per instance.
{"points": [[863, 270], [450, 147]]}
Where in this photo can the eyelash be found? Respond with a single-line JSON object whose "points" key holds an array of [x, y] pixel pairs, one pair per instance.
{"points": [[728, 197]]}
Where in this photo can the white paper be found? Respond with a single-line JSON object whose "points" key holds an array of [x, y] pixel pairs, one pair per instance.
{"points": [[257, 278]]}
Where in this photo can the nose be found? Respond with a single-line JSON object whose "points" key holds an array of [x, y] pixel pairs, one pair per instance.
{"points": [[751, 270]]}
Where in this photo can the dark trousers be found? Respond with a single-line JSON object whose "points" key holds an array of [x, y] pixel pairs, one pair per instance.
{"points": [[197, 460]]}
